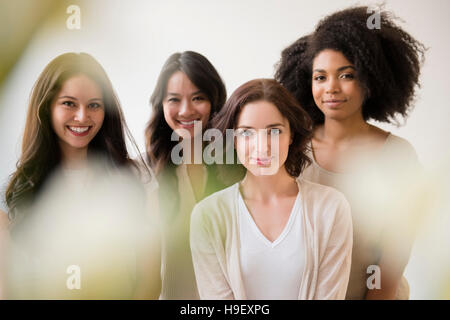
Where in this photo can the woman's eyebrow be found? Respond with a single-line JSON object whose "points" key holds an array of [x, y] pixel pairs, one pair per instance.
{"points": [[177, 94], [268, 126], [67, 97], [275, 125], [73, 98], [346, 67], [339, 69]]}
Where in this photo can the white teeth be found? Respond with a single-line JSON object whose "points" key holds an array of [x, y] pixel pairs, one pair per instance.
{"points": [[187, 123], [79, 129]]}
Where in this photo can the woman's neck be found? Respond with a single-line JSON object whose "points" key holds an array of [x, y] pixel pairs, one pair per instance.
{"points": [[74, 159], [190, 157], [264, 188], [342, 131]]}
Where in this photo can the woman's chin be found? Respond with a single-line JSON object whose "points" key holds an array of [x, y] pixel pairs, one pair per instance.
{"points": [[260, 171], [187, 134]]}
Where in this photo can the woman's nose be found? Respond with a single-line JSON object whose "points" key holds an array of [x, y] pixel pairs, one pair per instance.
{"points": [[81, 114], [263, 143], [332, 85], [186, 109]]}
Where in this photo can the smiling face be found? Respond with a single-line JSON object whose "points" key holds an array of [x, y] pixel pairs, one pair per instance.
{"points": [[77, 113], [335, 88], [184, 104], [263, 137]]}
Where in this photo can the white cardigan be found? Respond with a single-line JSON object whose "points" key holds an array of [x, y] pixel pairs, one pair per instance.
{"points": [[327, 233]]}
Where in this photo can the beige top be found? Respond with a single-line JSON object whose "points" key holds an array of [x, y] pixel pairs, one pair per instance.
{"points": [[85, 218], [327, 233], [373, 191], [178, 279]]}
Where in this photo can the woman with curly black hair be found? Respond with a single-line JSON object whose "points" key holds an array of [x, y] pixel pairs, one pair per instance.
{"points": [[345, 74]]}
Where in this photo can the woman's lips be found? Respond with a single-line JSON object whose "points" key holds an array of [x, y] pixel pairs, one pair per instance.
{"points": [[187, 124], [79, 131], [333, 103], [262, 161]]}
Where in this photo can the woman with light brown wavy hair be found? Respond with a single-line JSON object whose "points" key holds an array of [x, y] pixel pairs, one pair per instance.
{"points": [[75, 133]]}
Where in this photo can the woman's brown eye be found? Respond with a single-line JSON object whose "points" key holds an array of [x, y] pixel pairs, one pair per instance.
{"points": [[348, 76], [94, 105], [275, 131], [68, 103]]}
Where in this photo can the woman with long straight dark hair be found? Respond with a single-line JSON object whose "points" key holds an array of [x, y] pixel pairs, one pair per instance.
{"points": [[73, 158], [188, 93]]}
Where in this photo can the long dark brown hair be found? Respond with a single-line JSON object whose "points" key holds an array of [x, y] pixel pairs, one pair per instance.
{"points": [[204, 76], [158, 133], [40, 150]]}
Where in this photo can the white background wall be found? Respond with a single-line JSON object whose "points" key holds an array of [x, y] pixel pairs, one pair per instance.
{"points": [[243, 39]]}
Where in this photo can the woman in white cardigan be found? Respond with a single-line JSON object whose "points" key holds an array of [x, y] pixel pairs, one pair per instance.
{"points": [[270, 235]]}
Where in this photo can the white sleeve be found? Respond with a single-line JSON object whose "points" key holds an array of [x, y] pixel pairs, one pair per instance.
{"points": [[208, 261], [335, 257]]}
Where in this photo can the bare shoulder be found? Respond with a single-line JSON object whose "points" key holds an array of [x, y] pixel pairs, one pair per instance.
{"points": [[378, 135], [392, 143]]}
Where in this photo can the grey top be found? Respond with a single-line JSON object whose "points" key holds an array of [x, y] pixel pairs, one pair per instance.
{"points": [[376, 192]]}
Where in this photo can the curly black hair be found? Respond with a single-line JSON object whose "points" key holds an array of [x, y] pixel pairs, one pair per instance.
{"points": [[387, 61]]}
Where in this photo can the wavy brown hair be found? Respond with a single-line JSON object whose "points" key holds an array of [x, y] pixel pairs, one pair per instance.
{"points": [[40, 150], [271, 91]]}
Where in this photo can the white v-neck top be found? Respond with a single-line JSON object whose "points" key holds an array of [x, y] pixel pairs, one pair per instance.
{"points": [[327, 236], [271, 270]]}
